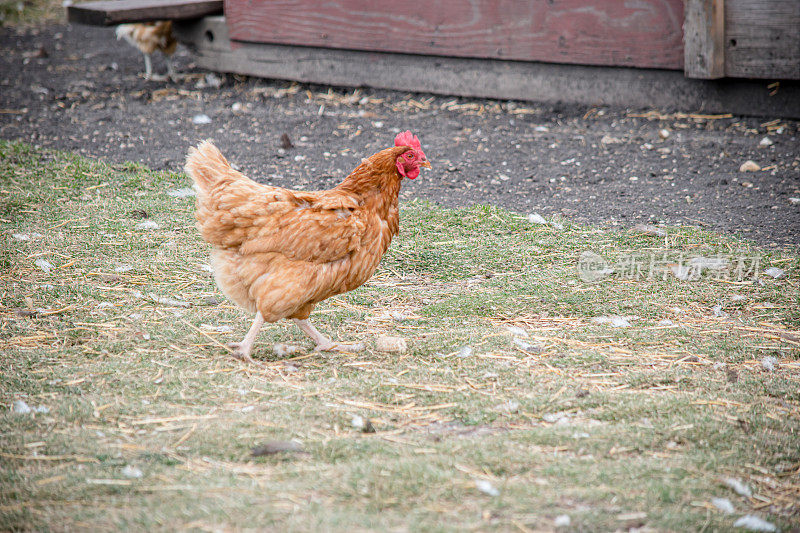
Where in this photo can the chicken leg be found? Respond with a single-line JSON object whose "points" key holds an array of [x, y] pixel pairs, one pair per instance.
{"points": [[324, 344], [243, 349], [148, 67]]}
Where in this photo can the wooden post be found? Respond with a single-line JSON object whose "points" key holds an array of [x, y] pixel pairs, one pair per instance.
{"points": [[704, 39]]}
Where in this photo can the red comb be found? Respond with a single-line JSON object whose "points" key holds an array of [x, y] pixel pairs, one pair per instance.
{"points": [[407, 139]]}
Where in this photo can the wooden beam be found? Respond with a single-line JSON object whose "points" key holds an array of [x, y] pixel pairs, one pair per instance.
{"points": [[640, 33], [489, 78], [704, 39], [110, 13]]}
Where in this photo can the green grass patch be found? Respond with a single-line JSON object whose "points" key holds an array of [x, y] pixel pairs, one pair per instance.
{"points": [[113, 330]]}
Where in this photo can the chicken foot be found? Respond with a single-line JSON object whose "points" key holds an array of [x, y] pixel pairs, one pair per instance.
{"points": [[243, 349], [324, 344]]}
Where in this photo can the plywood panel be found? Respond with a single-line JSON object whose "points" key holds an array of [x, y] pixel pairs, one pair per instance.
{"points": [[109, 13], [641, 33]]}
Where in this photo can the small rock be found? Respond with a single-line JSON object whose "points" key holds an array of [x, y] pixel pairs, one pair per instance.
{"points": [[201, 119], [21, 236], [465, 351], [556, 418], [516, 330], [536, 218], [363, 424], [123, 268], [132, 472], [166, 300], [278, 446], [562, 521], [766, 142], [42, 409], [769, 363], [486, 487], [213, 81], [391, 344], [181, 193], [147, 224], [738, 487], [527, 346], [754, 523], [44, 264], [20, 407], [723, 504], [738, 297], [284, 350], [775, 272], [541, 129], [614, 321], [236, 107], [248, 408], [608, 139], [510, 406], [794, 201], [663, 134], [665, 322], [749, 166], [650, 230], [718, 312]]}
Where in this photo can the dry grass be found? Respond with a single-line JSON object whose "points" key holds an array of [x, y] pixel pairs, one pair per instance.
{"points": [[618, 428]]}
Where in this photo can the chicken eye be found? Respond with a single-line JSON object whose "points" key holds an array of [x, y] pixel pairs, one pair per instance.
{"points": [[410, 155]]}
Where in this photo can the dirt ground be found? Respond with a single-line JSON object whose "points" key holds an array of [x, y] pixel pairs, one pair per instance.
{"points": [[76, 88]]}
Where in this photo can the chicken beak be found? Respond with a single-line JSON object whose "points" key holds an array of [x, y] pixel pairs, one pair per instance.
{"points": [[426, 164]]}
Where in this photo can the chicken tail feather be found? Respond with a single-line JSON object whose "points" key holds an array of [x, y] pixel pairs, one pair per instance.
{"points": [[206, 165]]}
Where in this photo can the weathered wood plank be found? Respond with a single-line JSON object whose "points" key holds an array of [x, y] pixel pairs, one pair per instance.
{"points": [[644, 33], [704, 39], [762, 39], [514, 80], [109, 13]]}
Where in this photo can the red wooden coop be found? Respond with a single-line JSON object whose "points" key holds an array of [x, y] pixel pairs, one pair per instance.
{"points": [[629, 52]]}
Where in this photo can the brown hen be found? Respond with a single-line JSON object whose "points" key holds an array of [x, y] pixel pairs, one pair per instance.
{"points": [[278, 252], [149, 37]]}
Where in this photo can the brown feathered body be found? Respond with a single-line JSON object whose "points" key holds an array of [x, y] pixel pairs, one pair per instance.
{"points": [[150, 36], [280, 251]]}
